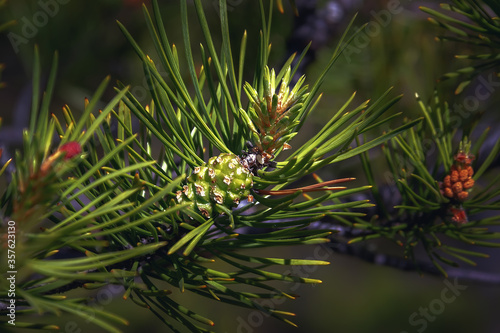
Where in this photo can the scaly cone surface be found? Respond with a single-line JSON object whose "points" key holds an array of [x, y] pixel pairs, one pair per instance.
{"points": [[223, 180], [458, 183]]}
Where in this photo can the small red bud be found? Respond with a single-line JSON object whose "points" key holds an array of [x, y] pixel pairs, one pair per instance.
{"points": [[470, 171], [447, 181], [468, 184], [71, 149], [448, 192], [462, 196], [464, 158], [459, 215], [464, 175], [457, 187]]}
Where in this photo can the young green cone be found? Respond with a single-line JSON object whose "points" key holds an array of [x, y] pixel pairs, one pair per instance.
{"points": [[271, 118], [227, 179], [223, 181]]}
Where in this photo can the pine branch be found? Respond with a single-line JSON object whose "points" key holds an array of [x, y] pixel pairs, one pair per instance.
{"points": [[425, 267], [435, 205], [150, 219]]}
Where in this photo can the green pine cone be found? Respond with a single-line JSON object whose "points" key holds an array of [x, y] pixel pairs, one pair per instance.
{"points": [[223, 180]]}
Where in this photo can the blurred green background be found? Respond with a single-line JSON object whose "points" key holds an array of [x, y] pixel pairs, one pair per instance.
{"points": [[399, 51]]}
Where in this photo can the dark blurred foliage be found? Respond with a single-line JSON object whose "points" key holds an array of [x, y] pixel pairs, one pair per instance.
{"points": [[91, 46]]}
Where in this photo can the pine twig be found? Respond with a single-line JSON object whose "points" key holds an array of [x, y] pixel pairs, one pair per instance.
{"points": [[361, 252]]}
